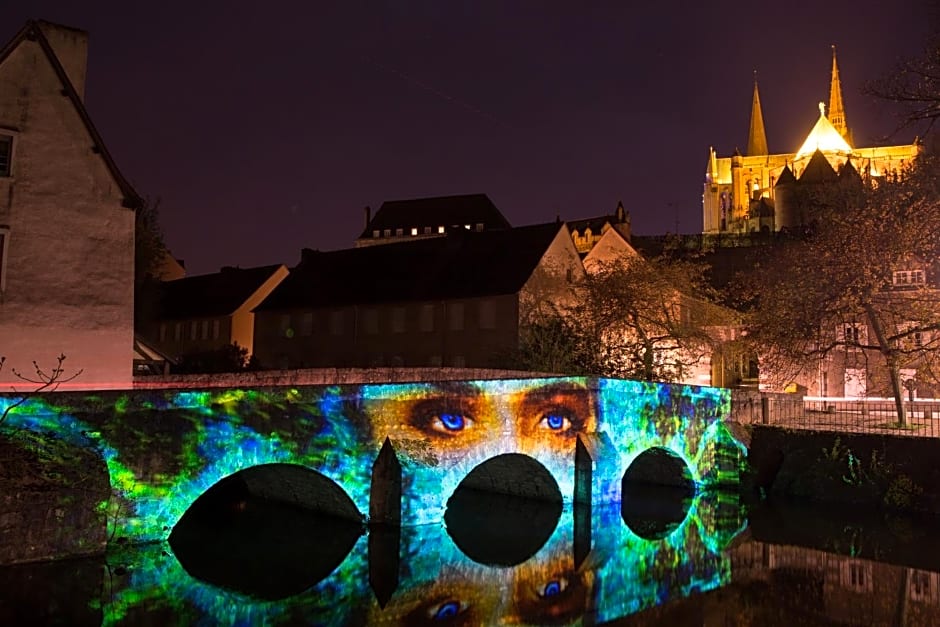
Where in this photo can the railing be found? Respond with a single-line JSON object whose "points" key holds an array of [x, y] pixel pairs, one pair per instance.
{"points": [[855, 415]]}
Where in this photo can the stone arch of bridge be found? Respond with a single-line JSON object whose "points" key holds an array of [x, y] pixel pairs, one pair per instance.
{"points": [[656, 493], [289, 484]]}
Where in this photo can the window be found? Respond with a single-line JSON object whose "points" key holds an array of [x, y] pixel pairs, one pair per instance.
{"points": [[387, 232], [435, 361], [6, 155], [215, 329], [399, 232], [854, 333], [856, 576], [284, 325], [427, 230], [487, 314], [178, 332], [458, 361], [376, 233], [427, 318], [306, 324], [370, 321], [205, 330], [455, 316], [336, 322], [479, 226], [414, 231], [923, 586], [193, 330], [4, 239], [162, 332], [440, 229], [904, 278], [398, 319]]}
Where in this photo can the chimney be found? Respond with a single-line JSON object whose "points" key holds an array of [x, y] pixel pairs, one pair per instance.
{"points": [[368, 215], [70, 46]]}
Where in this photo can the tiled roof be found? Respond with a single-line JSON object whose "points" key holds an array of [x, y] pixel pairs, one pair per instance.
{"points": [[463, 264], [211, 295], [446, 211]]}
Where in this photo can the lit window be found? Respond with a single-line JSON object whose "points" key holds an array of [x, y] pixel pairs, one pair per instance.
{"points": [[387, 232], [6, 155], [376, 233], [466, 226], [414, 231], [440, 229]]}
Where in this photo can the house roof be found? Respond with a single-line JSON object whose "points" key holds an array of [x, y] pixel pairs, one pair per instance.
{"points": [[31, 31], [818, 170], [210, 295], [444, 211], [464, 264]]}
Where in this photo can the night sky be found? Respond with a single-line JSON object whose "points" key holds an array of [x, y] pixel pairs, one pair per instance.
{"points": [[265, 127]]}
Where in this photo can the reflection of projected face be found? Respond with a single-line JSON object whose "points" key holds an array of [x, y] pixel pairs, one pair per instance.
{"points": [[550, 596], [460, 415], [455, 603]]}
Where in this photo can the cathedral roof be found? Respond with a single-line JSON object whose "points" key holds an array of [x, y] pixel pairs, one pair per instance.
{"points": [[818, 170], [824, 137]]}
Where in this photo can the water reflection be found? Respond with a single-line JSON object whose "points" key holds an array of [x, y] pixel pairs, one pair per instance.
{"points": [[706, 570]]}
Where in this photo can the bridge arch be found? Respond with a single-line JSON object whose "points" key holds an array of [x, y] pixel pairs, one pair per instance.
{"points": [[504, 510], [656, 493], [262, 531]]}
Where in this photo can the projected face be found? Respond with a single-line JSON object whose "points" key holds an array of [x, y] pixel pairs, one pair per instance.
{"points": [[457, 416]]}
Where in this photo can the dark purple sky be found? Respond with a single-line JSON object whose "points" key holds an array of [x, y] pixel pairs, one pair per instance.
{"points": [[265, 127]]}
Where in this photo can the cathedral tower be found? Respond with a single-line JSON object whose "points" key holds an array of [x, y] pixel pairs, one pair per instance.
{"points": [[836, 108]]}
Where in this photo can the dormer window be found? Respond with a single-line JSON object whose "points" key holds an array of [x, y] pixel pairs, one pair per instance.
{"points": [[440, 229], [399, 232], [6, 155], [414, 231], [376, 233], [387, 232], [479, 226]]}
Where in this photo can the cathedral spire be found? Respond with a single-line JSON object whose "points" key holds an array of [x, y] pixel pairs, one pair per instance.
{"points": [[756, 138], [836, 109]]}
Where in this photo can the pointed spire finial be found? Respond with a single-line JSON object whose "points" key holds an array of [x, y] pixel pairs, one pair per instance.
{"points": [[756, 137], [836, 108]]}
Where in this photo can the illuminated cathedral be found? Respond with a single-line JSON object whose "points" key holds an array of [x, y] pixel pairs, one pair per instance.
{"points": [[760, 191]]}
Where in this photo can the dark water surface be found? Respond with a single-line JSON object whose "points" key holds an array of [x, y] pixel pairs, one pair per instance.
{"points": [[667, 558]]}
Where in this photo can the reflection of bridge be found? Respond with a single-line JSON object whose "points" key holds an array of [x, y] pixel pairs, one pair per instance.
{"points": [[394, 452]]}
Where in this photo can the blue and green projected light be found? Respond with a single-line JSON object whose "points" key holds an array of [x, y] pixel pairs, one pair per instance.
{"points": [[165, 450]]}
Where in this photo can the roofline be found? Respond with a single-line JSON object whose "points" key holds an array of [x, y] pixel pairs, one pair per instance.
{"points": [[31, 31]]}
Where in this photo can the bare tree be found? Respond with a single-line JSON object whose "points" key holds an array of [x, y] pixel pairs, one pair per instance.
{"points": [[46, 381], [857, 286]]}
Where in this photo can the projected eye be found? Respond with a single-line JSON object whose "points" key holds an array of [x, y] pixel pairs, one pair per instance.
{"points": [[560, 420], [445, 611], [553, 588], [441, 420]]}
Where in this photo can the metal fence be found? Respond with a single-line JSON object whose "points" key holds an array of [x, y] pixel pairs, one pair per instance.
{"points": [[854, 415]]}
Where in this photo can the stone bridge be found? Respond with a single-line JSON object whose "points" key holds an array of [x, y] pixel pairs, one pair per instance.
{"points": [[387, 453]]}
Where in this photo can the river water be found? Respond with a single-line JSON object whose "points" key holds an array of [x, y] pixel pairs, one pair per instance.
{"points": [[666, 559]]}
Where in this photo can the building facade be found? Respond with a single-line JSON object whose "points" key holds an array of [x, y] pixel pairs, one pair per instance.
{"points": [[66, 220]]}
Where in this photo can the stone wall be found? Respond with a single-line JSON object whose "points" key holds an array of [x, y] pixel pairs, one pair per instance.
{"points": [[51, 498]]}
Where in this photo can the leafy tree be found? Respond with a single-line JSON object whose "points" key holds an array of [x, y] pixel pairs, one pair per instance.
{"points": [[550, 342], [830, 293]]}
